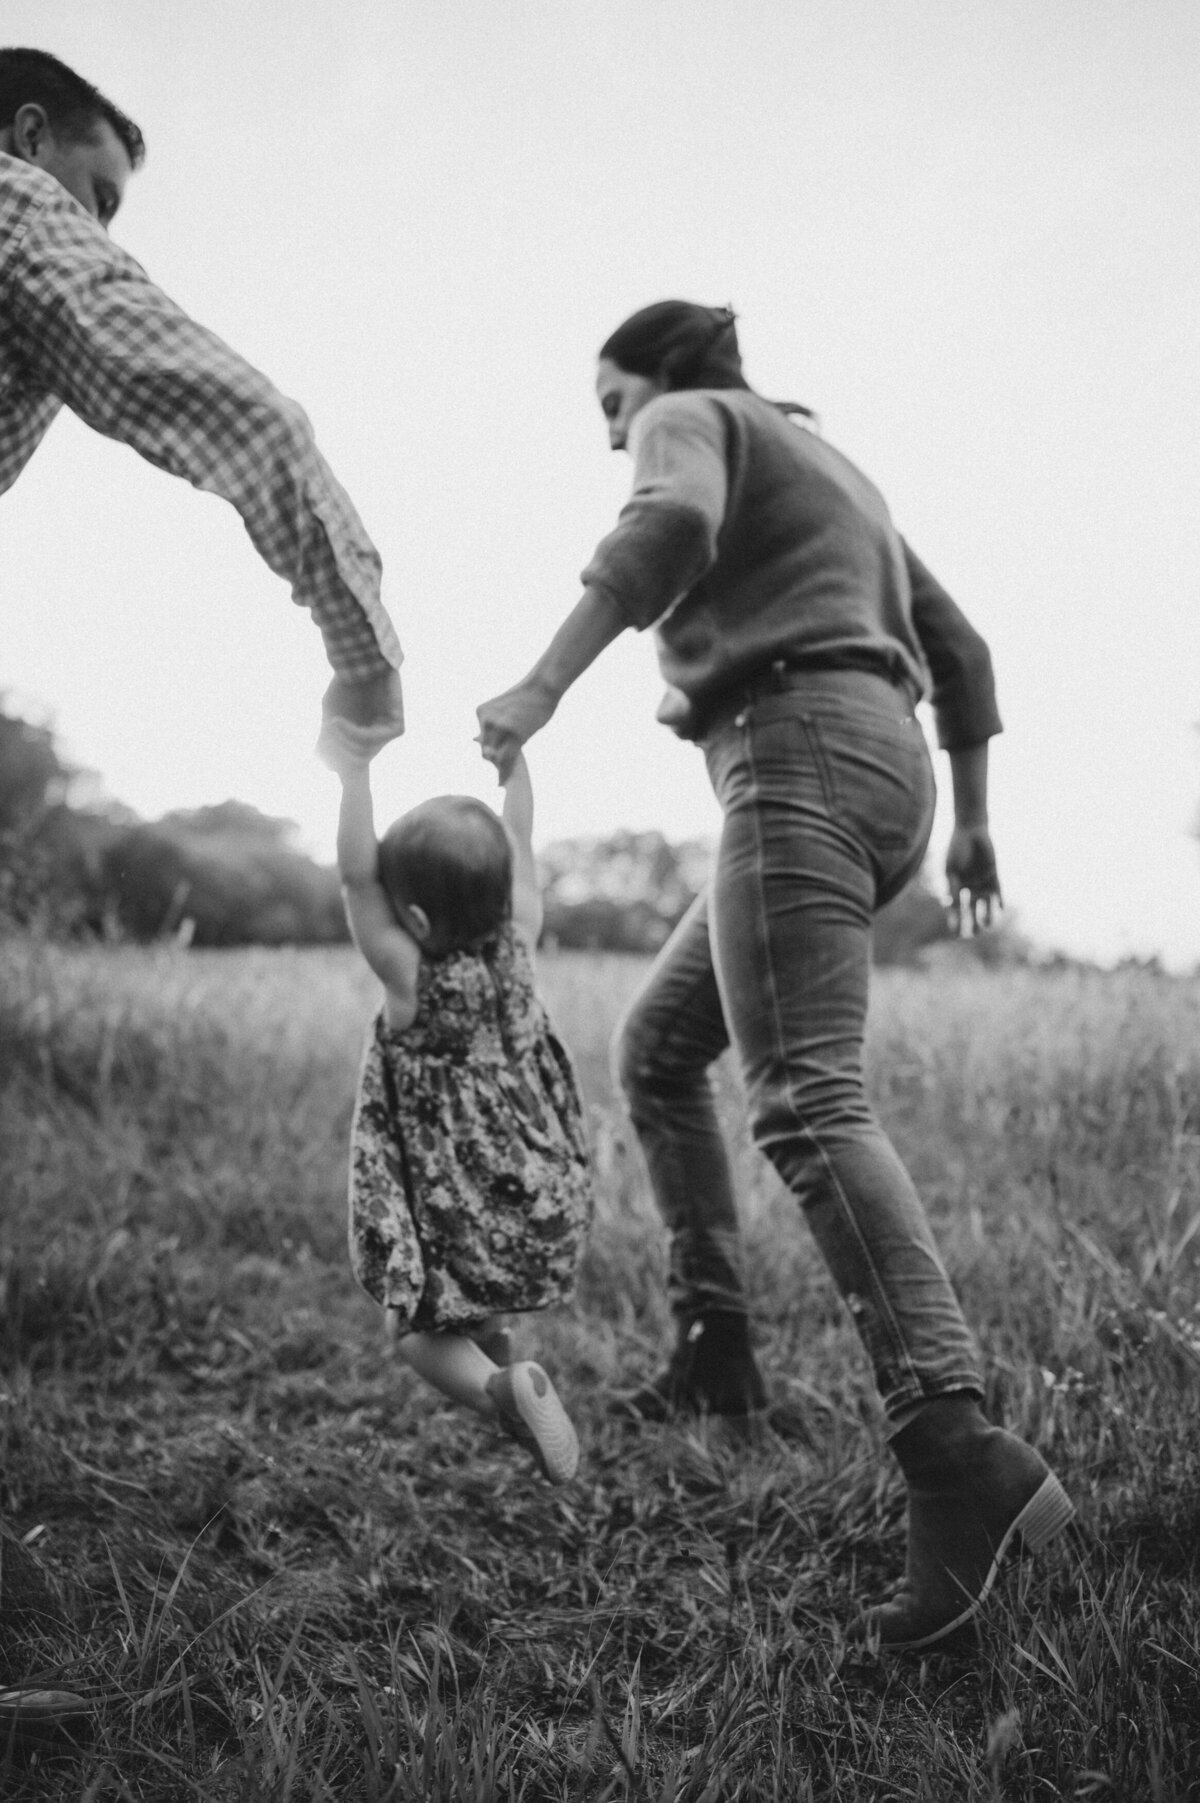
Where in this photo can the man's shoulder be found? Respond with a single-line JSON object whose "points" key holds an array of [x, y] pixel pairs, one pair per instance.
{"points": [[23, 185], [29, 196], [18, 196]]}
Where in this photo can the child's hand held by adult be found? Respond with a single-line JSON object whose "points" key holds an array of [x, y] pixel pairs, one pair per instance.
{"points": [[345, 747], [508, 720]]}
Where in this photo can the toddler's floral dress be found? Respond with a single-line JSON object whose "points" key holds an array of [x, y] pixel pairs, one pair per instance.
{"points": [[470, 1182]]}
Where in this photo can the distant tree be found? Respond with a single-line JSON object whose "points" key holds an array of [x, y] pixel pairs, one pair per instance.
{"points": [[73, 862], [49, 845], [33, 777], [621, 893], [227, 875]]}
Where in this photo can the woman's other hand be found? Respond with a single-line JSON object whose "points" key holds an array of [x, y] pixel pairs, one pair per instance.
{"points": [[508, 720], [971, 856], [971, 874]]}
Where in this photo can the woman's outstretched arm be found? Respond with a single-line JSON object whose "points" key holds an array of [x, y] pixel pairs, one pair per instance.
{"points": [[663, 543], [508, 720]]}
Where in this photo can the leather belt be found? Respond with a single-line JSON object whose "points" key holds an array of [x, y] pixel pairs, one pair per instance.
{"points": [[786, 673]]}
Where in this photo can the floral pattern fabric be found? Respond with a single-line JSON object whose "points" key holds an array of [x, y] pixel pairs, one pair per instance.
{"points": [[470, 1182]]}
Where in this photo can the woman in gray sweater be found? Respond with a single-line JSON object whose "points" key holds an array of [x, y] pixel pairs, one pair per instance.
{"points": [[796, 632]]}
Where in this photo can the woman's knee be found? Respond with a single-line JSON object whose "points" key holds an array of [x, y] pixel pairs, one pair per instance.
{"points": [[801, 1128], [650, 1065]]}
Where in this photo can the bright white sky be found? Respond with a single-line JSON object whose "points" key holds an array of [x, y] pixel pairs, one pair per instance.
{"points": [[967, 233]]}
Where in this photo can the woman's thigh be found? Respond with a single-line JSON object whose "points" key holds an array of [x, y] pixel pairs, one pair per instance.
{"points": [[826, 812], [879, 781], [791, 919]]}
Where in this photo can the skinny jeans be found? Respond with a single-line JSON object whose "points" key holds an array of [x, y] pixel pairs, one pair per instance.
{"points": [[827, 794]]}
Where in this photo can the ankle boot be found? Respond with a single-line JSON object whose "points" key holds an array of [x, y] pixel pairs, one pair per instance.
{"points": [[972, 1489], [712, 1371], [665, 1395]]}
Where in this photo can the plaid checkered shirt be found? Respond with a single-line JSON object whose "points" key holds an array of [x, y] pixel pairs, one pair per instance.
{"points": [[81, 324]]}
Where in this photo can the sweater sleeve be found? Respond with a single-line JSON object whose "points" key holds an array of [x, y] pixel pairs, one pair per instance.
{"points": [[665, 538], [960, 664]]}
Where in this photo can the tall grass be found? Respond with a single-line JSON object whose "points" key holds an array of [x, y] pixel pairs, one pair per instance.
{"points": [[285, 1571]]}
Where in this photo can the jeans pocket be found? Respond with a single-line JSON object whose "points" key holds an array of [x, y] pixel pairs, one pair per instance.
{"points": [[879, 780], [772, 757]]}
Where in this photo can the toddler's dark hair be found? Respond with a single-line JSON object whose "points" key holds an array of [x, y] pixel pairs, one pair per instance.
{"points": [[450, 856]]}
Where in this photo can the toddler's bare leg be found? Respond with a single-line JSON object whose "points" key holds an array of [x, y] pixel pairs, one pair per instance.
{"points": [[519, 1398], [494, 1336], [453, 1364]]}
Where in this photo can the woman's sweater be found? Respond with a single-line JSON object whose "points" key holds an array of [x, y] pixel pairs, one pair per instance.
{"points": [[748, 540]]}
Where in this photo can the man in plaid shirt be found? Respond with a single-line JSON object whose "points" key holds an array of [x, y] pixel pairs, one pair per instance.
{"points": [[81, 324]]}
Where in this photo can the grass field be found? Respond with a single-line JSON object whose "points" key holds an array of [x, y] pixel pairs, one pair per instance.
{"points": [[286, 1571]]}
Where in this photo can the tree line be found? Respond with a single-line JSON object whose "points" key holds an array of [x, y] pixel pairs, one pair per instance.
{"points": [[74, 863]]}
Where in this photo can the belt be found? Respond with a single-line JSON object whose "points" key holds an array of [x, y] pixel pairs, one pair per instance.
{"points": [[786, 673]]}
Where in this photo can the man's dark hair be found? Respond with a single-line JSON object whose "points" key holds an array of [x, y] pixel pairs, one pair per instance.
{"points": [[72, 106]]}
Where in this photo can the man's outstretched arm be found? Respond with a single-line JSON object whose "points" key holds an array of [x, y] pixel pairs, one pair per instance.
{"points": [[91, 328]]}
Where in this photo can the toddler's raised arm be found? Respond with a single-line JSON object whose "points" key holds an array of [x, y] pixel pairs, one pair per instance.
{"points": [[389, 950], [518, 818]]}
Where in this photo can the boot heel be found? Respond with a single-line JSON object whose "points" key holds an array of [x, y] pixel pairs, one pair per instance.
{"points": [[1045, 1514]]}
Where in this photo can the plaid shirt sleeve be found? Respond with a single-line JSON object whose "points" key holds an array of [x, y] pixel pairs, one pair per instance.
{"points": [[81, 323]]}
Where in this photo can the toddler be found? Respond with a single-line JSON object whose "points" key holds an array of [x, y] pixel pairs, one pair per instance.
{"points": [[470, 1185]]}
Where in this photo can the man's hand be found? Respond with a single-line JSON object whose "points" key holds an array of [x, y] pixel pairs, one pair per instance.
{"points": [[338, 746], [507, 721], [971, 869], [369, 714]]}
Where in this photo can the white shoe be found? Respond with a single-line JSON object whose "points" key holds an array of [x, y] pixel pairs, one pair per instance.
{"points": [[529, 1410]]}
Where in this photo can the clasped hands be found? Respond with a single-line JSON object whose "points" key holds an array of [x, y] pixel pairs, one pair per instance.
{"points": [[359, 719], [508, 720]]}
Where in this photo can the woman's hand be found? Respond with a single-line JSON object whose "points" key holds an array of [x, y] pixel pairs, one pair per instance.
{"points": [[508, 720], [971, 870]]}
